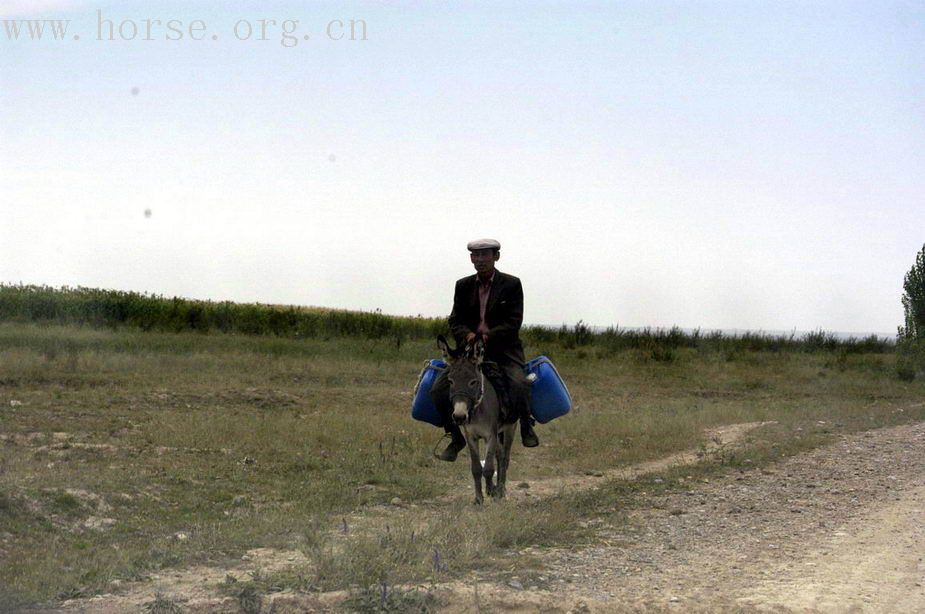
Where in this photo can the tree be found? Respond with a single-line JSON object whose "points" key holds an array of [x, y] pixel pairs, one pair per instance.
{"points": [[910, 363], [914, 299]]}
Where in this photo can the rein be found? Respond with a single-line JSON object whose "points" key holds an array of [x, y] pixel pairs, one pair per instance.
{"points": [[478, 401]]}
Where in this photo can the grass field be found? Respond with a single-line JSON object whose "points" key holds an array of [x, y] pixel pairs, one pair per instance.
{"points": [[126, 452]]}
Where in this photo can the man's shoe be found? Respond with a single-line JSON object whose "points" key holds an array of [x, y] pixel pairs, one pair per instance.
{"points": [[528, 435], [450, 453]]}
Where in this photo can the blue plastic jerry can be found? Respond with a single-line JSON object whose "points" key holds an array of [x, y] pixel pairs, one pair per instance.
{"points": [[422, 407], [550, 397]]}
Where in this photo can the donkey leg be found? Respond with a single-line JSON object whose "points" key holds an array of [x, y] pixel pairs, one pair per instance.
{"points": [[476, 466], [499, 462], [505, 459], [488, 471]]}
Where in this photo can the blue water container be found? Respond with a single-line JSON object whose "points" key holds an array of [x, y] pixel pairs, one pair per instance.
{"points": [[422, 408], [550, 396]]}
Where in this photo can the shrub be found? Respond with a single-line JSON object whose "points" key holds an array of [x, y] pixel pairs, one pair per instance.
{"points": [[910, 359]]}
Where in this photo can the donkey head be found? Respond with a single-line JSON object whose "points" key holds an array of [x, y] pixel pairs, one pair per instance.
{"points": [[464, 375]]}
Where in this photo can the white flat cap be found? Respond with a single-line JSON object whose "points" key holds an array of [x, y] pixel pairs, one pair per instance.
{"points": [[483, 244]]}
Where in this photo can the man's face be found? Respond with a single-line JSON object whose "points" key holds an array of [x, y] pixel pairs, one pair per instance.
{"points": [[484, 260]]}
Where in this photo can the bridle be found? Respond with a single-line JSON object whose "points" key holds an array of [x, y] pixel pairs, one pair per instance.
{"points": [[476, 400], [469, 352]]}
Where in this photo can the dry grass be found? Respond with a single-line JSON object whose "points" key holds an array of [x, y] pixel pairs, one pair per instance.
{"points": [[129, 452]]}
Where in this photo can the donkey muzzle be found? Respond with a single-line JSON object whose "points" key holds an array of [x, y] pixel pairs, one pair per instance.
{"points": [[460, 411]]}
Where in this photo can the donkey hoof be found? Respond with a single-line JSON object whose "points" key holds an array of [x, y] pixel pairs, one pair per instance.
{"points": [[477, 501]]}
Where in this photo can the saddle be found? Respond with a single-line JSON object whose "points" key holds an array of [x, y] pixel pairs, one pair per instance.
{"points": [[495, 376]]}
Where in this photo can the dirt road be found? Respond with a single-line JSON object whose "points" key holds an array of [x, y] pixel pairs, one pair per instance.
{"points": [[841, 529]]}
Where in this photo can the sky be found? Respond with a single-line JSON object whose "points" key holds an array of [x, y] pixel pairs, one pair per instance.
{"points": [[748, 165]]}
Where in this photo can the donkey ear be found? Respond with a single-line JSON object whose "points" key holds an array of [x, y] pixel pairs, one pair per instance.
{"points": [[444, 347]]}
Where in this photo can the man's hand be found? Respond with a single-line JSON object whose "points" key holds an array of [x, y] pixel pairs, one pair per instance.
{"points": [[471, 337]]}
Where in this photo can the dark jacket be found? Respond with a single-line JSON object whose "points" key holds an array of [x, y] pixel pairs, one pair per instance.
{"points": [[504, 315]]}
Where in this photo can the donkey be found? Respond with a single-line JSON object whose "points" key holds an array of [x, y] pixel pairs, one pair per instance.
{"points": [[477, 410]]}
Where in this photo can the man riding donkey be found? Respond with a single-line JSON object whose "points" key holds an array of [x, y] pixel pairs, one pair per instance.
{"points": [[489, 306]]}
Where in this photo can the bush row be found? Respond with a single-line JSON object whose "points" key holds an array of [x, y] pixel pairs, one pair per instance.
{"points": [[660, 339], [114, 308]]}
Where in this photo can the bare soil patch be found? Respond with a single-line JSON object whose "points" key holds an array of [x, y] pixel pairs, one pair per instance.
{"points": [[840, 529], [194, 589]]}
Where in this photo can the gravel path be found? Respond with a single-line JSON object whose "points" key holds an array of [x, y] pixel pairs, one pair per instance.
{"points": [[839, 529]]}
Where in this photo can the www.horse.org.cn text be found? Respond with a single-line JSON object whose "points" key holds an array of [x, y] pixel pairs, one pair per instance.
{"points": [[288, 33]]}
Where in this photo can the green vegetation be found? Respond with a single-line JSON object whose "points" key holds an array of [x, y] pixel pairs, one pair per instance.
{"points": [[116, 309], [383, 600], [125, 452], [911, 338], [162, 604], [914, 299], [113, 308]]}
